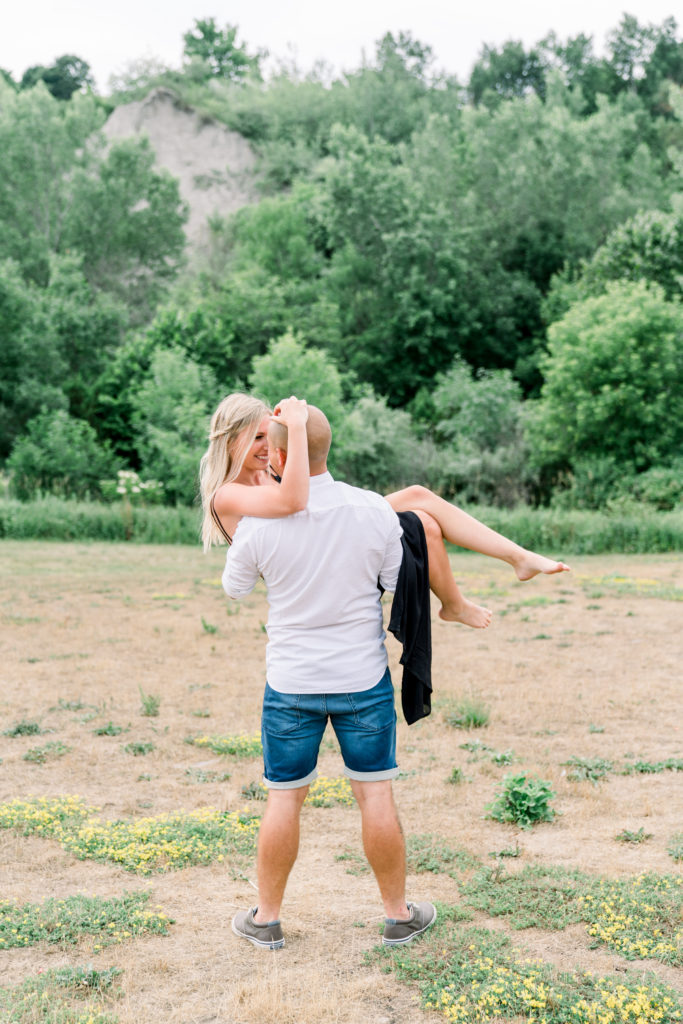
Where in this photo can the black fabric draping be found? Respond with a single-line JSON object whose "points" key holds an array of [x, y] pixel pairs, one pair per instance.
{"points": [[410, 620]]}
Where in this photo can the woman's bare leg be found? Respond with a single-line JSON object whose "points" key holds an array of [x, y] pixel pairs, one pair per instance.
{"points": [[467, 532], [454, 607]]}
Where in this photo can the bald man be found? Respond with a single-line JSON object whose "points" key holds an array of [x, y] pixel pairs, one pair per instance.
{"points": [[326, 660]]}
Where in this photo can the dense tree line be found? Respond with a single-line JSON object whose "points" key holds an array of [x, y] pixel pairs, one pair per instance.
{"points": [[481, 282]]}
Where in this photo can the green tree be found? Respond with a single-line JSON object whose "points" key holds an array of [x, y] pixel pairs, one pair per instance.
{"points": [[68, 74], [68, 195], [613, 382], [171, 410], [32, 363], [289, 367], [61, 455], [218, 49], [506, 73]]}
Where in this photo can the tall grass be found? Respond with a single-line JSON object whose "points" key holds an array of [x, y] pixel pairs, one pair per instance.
{"points": [[53, 518], [554, 531]]}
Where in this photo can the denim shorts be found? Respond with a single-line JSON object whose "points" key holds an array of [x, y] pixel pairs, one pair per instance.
{"points": [[292, 726]]}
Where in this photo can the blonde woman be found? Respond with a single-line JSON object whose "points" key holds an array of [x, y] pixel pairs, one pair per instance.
{"points": [[235, 481]]}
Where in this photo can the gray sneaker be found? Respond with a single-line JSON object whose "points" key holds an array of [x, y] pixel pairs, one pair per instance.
{"points": [[422, 915], [266, 936]]}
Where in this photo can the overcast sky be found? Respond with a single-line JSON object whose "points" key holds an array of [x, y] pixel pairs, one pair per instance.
{"points": [[110, 35]]}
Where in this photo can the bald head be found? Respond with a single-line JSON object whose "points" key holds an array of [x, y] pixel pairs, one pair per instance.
{"points": [[319, 436]]}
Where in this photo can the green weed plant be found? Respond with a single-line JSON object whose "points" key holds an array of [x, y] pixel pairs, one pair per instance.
{"points": [[24, 728], [149, 704], [67, 920], [139, 748], [629, 836], [468, 713], [591, 769], [675, 846], [50, 752], [522, 800]]}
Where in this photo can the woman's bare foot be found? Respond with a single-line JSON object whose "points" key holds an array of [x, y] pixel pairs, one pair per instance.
{"points": [[468, 613], [530, 564]]}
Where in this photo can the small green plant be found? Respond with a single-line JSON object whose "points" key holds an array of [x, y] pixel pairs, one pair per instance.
{"points": [[671, 764], [51, 751], [255, 791], [199, 775], [503, 756], [24, 728], [592, 769], [150, 704], [457, 775], [208, 627], [508, 851], [201, 713], [108, 730], [633, 837], [595, 728], [675, 846], [468, 713], [357, 864], [139, 748], [522, 800]]}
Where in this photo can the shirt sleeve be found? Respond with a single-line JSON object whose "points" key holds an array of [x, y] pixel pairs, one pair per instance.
{"points": [[241, 573], [393, 555]]}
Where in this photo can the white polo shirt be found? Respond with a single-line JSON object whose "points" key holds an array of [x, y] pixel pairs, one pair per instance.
{"points": [[321, 568]]}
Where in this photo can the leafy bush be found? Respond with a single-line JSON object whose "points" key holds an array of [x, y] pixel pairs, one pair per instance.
{"points": [[59, 455], [661, 486], [522, 800]]}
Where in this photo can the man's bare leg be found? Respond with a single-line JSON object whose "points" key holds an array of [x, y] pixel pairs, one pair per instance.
{"points": [[454, 606], [278, 845], [383, 843], [467, 532]]}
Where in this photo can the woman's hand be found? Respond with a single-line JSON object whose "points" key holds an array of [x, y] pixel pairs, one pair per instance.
{"points": [[291, 411]]}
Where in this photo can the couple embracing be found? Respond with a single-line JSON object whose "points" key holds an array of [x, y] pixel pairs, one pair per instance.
{"points": [[326, 551]]}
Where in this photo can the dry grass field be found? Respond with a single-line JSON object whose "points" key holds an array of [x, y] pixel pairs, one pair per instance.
{"points": [[586, 665]]}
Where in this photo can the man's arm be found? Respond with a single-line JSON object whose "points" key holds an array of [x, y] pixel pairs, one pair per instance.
{"points": [[393, 554], [241, 573]]}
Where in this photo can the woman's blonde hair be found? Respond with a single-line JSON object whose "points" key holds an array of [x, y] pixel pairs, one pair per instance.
{"points": [[234, 426]]}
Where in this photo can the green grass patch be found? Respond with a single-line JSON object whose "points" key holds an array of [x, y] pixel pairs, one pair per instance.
{"points": [[631, 585], [428, 853], [467, 713], [235, 746], [559, 530], [54, 518], [139, 748], [148, 845], [671, 764], [638, 917], [627, 836], [522, 800], [110, 729], [68, 920], [50, 752], [591, 769], [67, 995], [24, 728], [473, 975], [675, 846]]}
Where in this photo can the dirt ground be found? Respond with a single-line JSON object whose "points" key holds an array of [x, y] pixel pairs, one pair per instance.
{"points": [[585, 664]]}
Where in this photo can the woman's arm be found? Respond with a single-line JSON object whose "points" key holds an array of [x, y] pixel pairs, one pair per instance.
{"points": [[269, 500]]}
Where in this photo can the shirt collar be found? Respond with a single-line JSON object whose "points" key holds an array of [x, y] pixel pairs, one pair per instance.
{"points": [[320, 479]]}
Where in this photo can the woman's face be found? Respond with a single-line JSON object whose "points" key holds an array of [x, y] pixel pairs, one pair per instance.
{"points": [[257, 456]]}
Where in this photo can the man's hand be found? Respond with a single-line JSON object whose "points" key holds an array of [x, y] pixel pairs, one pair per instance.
{"points": [[290, 411]]}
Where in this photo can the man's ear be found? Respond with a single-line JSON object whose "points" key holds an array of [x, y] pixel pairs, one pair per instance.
{"points": [[280, 459]]}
